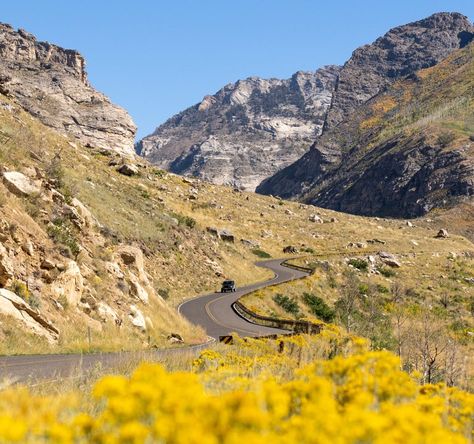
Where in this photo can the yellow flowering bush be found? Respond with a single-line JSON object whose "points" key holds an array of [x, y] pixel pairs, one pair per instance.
{"points": [[252, 392]]}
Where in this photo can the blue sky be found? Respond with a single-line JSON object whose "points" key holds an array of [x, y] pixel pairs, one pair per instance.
{"points": [[156, 58]]}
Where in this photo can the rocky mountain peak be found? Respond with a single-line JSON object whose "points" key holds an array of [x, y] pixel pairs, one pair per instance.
{"points": [[247, 130], [400, 52], [21, 46], [51, 83]]}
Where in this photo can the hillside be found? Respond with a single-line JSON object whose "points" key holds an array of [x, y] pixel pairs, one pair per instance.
{"points": [[88, 242], [406, 152]]}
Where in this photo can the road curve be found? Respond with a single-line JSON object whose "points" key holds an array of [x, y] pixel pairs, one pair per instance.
{"points": [[214, 311]]}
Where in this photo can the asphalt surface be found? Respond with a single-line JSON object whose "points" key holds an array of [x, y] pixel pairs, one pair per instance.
{"points": [[213, 312]]}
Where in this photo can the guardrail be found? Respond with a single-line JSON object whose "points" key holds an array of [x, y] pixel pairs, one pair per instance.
{"points": [[284, 324], [298, 267]]}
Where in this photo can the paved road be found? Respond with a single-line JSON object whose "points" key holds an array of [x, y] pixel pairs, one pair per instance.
{"points": [[213, 312]]}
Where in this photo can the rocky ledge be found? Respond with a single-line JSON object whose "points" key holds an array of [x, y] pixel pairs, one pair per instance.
{"points": [[51, 83]]}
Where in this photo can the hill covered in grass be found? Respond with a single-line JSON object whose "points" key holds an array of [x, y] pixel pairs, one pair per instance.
{"points": [[407, 151]]}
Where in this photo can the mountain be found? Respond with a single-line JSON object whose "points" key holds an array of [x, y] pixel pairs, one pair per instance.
{"points": [[403, 152], [245, 132], [51, 84], [252, 129], [400, 52]]}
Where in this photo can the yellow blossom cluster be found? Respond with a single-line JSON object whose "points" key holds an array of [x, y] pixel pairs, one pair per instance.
{"points": [[254, 391]]}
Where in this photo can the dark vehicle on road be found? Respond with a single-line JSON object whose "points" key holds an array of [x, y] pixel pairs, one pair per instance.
{"points": [[228, 286]]}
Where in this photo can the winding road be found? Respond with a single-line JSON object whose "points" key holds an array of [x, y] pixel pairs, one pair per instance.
{"points": [[213, 312]]}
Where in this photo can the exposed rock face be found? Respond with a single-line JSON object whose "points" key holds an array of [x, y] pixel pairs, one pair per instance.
{"points": [[12, 305], [366, 162], [400, 52], [69, 284], [51, 83], [19, 184], [246, 131]]}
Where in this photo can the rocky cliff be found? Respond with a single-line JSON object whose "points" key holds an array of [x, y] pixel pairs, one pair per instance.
{"points": [[400, 52], [246, 131], [51, 83], [318, 175], [405, 152]]}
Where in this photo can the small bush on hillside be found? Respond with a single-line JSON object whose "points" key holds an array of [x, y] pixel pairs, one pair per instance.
{"points": [[318, 307], [261, 253], [32, 205], [332, 282], [445, 138], [307, 250], [164, 293], [360, 264], [55, 172], [62, 233], [20, 289], [382, 289], [386, 271], [289, 305], [185, 220]]}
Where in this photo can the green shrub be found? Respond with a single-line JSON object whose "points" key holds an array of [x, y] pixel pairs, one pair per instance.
{"points": [[185, 220], [360, 264], [382, 289], [164, 293], [261, 253], [318, 307], [386, 271], [289, 305], [363, 289], [62, 233]]}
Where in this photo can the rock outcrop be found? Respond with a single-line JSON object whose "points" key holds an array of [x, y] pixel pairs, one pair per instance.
{"points": [[246, 131], [51, 83], [399, 53], [15, 307], [387, 156]]}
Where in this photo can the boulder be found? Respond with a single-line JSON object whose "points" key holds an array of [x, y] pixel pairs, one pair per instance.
{"points": [[442, 234], [128, 169], [140, 285], [136, 288], [389, 259], [47, 264], [250, 243], [175, 338], [69, 284], [14, 306], [136, 317], [290, 249], [107, 313], [19, 184], [6, 267], [227, 236], [315, 218]]}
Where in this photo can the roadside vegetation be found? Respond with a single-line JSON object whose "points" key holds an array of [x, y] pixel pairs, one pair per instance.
{"points": [[287, 391]]}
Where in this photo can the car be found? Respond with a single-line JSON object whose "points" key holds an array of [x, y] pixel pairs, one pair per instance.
{"points": [[228, 286]]}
